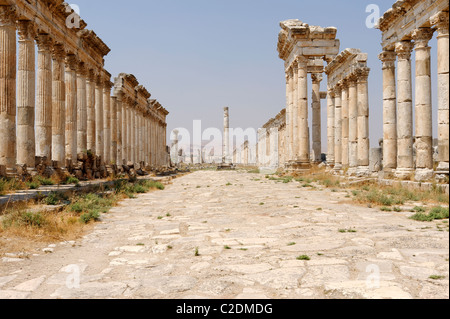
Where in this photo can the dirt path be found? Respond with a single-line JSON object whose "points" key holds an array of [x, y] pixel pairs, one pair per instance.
{"points": [[248, 236]]}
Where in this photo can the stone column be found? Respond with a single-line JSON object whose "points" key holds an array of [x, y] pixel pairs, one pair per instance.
{"points": [[330, 128], [114, 130], [130, 148], [288, 111], [120, 128], [26, 89], [90, 93], [82, 117], [125, 157], [8, 75], [389, 111], [424, 110], [136, 135], [352, 126], [59, 107], [99, 127], [316, 118], [338, 129], [133, 134], [71, 108], [345, 124], [441, 21], [290, 119], [107, 122], [405, 162], [226, 136], [44, 99], [363, 122], [303, 155]]}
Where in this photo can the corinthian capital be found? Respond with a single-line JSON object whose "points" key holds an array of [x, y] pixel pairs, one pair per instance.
{"points": [[404, 49], [8, 15], [441, 21], [422, 36], [44, 42], [26, 30]]}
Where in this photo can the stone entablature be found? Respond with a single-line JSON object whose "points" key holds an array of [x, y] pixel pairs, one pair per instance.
{"points": [[405, 16]]}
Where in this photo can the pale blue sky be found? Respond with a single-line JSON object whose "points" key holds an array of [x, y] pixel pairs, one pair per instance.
{"points": [[197, 56]]}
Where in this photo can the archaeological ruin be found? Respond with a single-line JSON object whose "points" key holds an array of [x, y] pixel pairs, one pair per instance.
{"points": [[60, 115]]}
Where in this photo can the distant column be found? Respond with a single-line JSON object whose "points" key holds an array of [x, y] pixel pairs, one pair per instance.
{"points": [[99, 133], [338, 129], [363, 122], [114, 130], [330, 128], [107, 122], [71, 108], [90, 94], [303, 125], [226, 136], [82, 117], [120, 128], [352, 126], [345, 125]]}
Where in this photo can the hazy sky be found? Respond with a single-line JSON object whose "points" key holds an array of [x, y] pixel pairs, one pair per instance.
{"points": [[197, 56]]}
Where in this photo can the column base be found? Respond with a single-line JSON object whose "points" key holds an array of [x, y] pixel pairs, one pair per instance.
{"points": [[338, 168], [404, 173], [423, 174], [298, 166], [352, 171], [363, 171]]}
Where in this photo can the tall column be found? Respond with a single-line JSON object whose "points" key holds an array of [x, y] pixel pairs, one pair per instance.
{"points": [[26, 87], [363, 122], [120, 128], [44, 99], [389, 111], [226, 136], [82, 116], [290, 118], [99, 133], [130, 148], [146, 140], [133, 135], [114, 130], [125, 157], [330, 128], [345, 124], [303, 154], [136, 135], [8, 88], [405, 162], [338, 129], [295, 137], [424, 110], [441, 21], [59, 107], [90, 94], [316, 118], [352, 126], [107, 122], [71, 108], [288, 111]]}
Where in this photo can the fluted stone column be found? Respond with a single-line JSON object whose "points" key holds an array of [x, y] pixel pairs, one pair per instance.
{"points": [[330, 128], [130, 148], [8, 75], [26, 87], [120, 128], [316, 118], [136, 135], [338, 129], [71, 108], [424, 110], [363, 122], [59, 107], [44, 99], [303, 155], [125, 144], [99, 127], [441, 21], [90, 97], [352, 126], [345, 124], [405, 161], [389, 111], [140, 141], [82, 117], [114, 130], [146, 140], [107, 122], [133, 134]]}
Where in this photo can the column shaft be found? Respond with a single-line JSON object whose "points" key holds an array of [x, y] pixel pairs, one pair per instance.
{"points": [[99, 128], [363, 122], [120, 130], [91, 125], [330, 128], [71, 109], [345, 125], [114, 126], [59, 107], [389, 111], [82, 117], [26, 86], [316, 119], [302, 127], [107, 122], [405, 162], [44, 100], [338, 129], [352, 126]]}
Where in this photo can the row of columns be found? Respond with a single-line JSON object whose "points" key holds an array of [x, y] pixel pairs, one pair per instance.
{"points": [[398, 145], [348, 124], [65, 108]]}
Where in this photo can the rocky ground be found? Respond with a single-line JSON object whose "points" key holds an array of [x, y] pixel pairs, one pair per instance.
{"points": [[238, 235]]}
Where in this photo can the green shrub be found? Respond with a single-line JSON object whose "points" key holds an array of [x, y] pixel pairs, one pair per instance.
{"points": [[437, 213]]}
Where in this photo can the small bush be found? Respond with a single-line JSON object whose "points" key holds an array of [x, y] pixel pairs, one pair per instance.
{"points": [[71, 180], [45, 181], [52, 199], [303, 257], [23, 218], [87, 217], [437, 213]]}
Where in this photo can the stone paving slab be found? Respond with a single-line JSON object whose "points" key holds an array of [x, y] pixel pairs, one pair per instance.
{"points": [[240, 241]]}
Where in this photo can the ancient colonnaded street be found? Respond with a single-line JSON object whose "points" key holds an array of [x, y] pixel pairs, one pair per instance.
{"points": [[239, 235]]}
